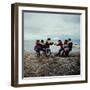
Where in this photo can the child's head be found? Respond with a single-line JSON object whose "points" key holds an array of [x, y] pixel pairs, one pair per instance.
{"points": [[42, 41], [69, 39], [37, 41], [48, 39], [66, 41], [59, 41]]}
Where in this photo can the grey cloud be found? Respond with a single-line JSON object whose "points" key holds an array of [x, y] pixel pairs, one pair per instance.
{"points": [[46, 24]]}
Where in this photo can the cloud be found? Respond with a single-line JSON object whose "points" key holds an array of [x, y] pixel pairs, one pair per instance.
{"points": [[43, 25]]}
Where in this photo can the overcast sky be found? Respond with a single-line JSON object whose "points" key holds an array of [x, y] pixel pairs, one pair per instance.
{"points": [[55, 26]]}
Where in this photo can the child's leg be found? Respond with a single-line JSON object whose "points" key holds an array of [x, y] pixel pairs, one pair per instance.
{"points": [[59, 53], [38, 52]]}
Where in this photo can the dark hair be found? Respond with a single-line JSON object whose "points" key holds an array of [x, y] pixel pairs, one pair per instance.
{"points": [[49, 39], [66, 41], [60, 41], [69, 39], [37, 41], [42, 41]]}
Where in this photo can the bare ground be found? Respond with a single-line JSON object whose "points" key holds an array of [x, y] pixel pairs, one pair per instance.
{"points": [[51, 66]]}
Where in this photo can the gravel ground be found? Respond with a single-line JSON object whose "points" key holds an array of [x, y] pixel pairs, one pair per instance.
{"points": [[51, 66]]}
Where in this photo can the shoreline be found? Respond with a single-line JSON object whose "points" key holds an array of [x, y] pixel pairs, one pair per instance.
{"points": [[76, 47]]}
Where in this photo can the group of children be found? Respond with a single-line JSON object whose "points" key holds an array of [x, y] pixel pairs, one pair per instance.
{"points": [[64, 50]]}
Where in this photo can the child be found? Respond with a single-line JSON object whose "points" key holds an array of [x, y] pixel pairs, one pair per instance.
{"points": [[70, 44], [61, 47], [47, 45], [43, 47], [37, 47], [66, 48]]}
